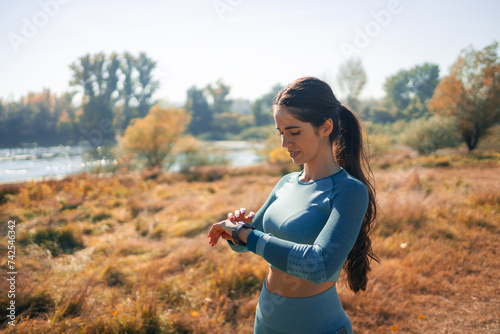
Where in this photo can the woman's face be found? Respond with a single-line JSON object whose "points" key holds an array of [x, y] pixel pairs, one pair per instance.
{"points": [[303, 142]]}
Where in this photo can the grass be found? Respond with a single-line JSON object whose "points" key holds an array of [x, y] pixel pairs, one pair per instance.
{"points": [[125, 254]]}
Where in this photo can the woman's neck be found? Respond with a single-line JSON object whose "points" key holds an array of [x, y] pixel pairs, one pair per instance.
{"points": [[320, 169]]}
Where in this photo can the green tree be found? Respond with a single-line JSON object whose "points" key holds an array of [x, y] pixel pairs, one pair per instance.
{"points": [[127, 67], [409, 91], [98, 77], [262, 107], [352, 79], [218, 94], [471, 93], [201, 114], [146, 86]]}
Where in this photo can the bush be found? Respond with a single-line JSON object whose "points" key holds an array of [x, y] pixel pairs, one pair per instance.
{"points": [[192, 154], [256, 133], [428, 135], [58, 240]]}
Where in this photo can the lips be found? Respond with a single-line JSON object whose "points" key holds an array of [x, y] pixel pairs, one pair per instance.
{"points": [[294, 154]]}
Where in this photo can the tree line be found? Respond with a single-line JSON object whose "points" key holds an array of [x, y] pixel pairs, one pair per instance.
{"points": [[118, 88]]}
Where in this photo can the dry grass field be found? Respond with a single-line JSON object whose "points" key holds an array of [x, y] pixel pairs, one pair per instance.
{"points": [[125, 254]]}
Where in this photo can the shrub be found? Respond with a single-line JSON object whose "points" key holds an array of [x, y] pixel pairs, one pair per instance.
{"points": [[428, 135], [58, 240]]}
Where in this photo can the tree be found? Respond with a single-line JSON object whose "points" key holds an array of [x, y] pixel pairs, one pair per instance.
{"points": [[146, 85], [154, 136], [352, 79], [409, 91], [471, 93], [128, 88], [261, 108], [98, 76], [218, 94], [201, 114], [37, 118]]}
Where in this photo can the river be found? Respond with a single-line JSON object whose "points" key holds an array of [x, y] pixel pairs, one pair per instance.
{"points": [[39, 163]]}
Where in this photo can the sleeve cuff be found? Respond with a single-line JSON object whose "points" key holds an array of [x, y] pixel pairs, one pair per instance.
{"points": [[253, 239]]}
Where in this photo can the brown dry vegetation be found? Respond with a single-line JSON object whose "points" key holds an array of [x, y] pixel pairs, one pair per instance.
{"points": [[123, 254]]}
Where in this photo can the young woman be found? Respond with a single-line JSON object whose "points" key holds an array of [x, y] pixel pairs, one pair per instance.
{"points": [[315, 222]]}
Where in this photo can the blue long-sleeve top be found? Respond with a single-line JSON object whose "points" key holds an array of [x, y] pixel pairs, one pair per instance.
{"points": [[308, 229]]}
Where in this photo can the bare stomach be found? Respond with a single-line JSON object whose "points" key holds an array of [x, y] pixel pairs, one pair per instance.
{"points": [[286, 285]]}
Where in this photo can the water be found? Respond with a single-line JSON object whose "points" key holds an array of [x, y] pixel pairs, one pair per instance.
{"points": [[38, 163]]}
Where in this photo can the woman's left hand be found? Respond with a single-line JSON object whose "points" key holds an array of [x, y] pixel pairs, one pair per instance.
{"points": [[219, 229]]}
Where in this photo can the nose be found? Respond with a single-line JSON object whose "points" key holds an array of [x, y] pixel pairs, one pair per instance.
{"points": [[285, 141]]}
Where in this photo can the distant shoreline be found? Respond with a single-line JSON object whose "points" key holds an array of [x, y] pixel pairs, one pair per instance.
{"points": [[38, 164]]}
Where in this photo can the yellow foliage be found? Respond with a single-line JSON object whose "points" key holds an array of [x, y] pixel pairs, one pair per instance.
{"points": [[279, 156], [154, 136]]}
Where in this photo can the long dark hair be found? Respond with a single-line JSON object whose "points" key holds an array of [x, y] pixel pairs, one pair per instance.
{"points": [[312, 100]]}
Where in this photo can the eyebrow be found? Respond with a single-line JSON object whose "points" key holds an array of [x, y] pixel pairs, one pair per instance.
{"points": [[290, 127]]}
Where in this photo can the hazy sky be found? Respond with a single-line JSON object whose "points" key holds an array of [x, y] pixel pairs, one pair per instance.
{"points": [[251, 45]]}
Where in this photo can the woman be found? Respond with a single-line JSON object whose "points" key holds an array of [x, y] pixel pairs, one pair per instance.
{"points": [[315, 222]]}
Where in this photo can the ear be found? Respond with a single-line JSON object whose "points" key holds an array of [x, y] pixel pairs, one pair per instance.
{"points": [[326, 128]]}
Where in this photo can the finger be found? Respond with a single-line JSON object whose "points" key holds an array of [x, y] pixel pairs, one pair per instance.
{"points": [[210, 231], [243, 211], [227, 236], [249, 218], [213, 230], [230, 216], [217, 236]]}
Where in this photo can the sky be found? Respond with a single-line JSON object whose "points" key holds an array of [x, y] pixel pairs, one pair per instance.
{"points": [[250, 45]]}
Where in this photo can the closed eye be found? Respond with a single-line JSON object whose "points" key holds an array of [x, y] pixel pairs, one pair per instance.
{"points": [[295, 133]]}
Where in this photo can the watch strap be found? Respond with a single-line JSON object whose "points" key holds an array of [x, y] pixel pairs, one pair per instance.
{"points": [[236, 230]]}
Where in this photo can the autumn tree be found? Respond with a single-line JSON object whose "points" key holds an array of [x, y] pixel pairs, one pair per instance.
{"points": [[352, 79], [471, 93], [43, 118], [154, 136]]}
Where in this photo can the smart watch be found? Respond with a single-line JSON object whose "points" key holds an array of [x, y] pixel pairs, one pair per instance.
{"points": [[236, 230]]}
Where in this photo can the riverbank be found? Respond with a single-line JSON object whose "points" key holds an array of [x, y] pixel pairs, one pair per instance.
{"points": [[56, 162]]}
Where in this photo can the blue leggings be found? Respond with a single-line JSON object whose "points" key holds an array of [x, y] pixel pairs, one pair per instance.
{"points": [[321, 313]]}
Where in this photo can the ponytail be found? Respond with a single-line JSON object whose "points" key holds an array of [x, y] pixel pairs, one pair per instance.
{"points": [[312, 100], [350, 155]]}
